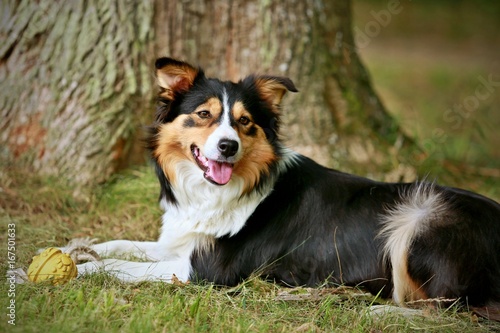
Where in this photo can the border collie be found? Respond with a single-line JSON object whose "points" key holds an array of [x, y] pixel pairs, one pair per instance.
{"points": [[237, 202]]}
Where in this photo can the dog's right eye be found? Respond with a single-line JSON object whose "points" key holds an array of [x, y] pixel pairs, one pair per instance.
{"points": [[204, 114]]}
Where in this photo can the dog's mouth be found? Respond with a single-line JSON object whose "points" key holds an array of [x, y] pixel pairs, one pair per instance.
{"points": [[216, 172]]}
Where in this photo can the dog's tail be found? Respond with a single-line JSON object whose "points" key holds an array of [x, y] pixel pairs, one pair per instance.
{"points": [[402, 223]]}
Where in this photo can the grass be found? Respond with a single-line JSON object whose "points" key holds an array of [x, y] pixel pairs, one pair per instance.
{"points": [[45, 214]]}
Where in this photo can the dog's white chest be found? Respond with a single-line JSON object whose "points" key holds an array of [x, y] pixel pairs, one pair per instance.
{"points": [[205, 211]]}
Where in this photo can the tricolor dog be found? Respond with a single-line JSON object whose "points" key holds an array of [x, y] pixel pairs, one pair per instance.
{"points": [[237, 201]]}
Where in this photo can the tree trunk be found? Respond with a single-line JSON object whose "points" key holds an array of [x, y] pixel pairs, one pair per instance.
{"points": [[74, 79], [336, 118]]}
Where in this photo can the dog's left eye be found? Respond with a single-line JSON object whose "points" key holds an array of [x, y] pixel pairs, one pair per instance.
{"points": [[244, 120], [204, 114]]}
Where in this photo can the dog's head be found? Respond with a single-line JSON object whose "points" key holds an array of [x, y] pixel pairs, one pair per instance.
{"points": [[226, 129]]}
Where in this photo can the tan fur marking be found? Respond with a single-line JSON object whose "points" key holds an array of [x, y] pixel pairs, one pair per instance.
{"points": [[417, 291], [421, 205], [405, 288], [240, 111], [171, 149], [173, 78], [213, 104], [175, 140], [272, 91], [258, 154], [256, 160]]}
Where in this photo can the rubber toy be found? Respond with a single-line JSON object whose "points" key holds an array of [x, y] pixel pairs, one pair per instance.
{"points": [[52, 265]]}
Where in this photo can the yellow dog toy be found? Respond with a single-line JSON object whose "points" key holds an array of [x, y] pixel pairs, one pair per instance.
{"points": [[52, 265]]}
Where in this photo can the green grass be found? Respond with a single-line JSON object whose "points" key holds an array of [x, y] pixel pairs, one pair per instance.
{"points": [[46, 215], [99, 304]]}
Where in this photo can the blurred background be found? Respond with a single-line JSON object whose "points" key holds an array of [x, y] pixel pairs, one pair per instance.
{"points": [[429, 64]]}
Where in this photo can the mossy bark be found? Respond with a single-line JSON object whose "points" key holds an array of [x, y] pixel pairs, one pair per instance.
{"points": [[74, 78]]}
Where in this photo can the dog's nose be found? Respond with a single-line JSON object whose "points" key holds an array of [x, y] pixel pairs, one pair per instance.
{"points": [[228, 147]]}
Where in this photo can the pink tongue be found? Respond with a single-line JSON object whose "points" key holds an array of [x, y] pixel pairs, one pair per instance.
{"points": [[219, 172]]}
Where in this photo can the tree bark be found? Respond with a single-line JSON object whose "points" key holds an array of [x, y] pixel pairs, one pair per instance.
{"points": [[73, 77], [76, 78]]}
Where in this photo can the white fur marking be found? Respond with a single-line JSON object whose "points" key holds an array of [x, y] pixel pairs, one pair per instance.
{"points": [[225, 106], [203, 212], [224, 131], [129, 271], [402, 224]]}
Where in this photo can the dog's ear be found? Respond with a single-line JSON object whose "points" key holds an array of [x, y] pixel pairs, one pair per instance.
{"points": [[273, 88], [174, 76]]}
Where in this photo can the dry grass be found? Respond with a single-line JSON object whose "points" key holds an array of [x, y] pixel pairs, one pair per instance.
{"points": [[46, 215]]}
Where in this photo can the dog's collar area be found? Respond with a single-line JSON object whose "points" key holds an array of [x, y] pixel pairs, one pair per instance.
{"points": [[216, 172]]}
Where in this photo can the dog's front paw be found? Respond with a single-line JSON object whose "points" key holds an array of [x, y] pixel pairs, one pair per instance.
{"points": [[90, 267], [17, 275], [79, 249]]}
